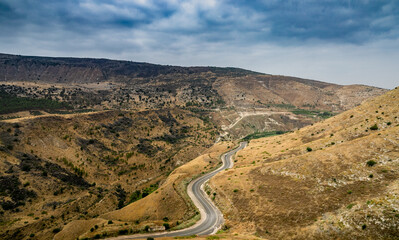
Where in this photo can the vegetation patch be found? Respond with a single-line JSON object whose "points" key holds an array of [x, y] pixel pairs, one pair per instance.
{"points": [[257, 135], [10, 104]]}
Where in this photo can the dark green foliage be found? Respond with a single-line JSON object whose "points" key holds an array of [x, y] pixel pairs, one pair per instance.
{"points": [[147, 228], [321, 114], [147, 148], [262, 134], [10, 186], [309, 149], [123, 231], [374, 127], [35, 163], [167, 226], [10, 104], [371, 163], [56, 230], [138, 194], [110, 222], [121, 195]]}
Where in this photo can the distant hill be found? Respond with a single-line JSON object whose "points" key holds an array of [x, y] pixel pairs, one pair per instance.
{"points": [[261, 102]]}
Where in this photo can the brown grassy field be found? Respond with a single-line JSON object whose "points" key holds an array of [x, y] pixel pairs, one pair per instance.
{"points": [[335, 179]]}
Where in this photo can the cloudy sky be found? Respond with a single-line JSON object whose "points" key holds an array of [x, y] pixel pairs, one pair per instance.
{"points": [[339, 41]]}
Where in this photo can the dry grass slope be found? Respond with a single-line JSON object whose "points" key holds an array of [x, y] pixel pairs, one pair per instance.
{"points": [[335, 179]]}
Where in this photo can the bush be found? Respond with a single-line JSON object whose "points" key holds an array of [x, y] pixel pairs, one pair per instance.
{"points": [[56, 230], [235, 190], [123, 231], [371, 163], [150, 238], [309, 149], [166, 225], [374, 127], [110, 222]]}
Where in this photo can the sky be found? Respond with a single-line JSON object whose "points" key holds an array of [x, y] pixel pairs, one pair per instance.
{"points": [[337, 41]]}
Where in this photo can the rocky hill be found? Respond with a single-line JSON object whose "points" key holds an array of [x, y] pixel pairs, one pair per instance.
{"points": [[226, 95]]}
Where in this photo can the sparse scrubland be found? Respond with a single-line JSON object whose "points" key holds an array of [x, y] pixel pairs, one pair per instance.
{"points": [[93, 148], [57, 169], [337, 179]]}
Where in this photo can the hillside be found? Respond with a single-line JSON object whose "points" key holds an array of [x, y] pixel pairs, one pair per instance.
{"points": [[226, 95], [336, 179], [93, 142], [60, 168]]}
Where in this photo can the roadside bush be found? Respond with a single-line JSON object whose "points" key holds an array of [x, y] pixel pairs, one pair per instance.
{"points": [[123, 231], [166, 225]]}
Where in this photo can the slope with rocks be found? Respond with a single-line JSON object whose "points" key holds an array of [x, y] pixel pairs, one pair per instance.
{"points": [[57, 169], [335, 179]]}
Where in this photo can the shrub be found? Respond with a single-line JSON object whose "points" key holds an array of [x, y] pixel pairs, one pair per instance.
{"points": [[123, 231], [150, 238], [110, 222], [374, 127], [235, 190], [371, 163], [147, 228], [309, 149], [166, 225], [56, 230]]}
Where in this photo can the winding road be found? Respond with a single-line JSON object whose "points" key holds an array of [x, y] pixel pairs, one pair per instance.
{"points": [[211, 218]]}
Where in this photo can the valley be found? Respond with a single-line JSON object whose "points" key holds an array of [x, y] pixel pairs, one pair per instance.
{"points": [[96, 148]]}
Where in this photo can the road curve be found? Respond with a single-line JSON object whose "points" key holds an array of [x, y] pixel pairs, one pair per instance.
{"points": [[211, 218]]}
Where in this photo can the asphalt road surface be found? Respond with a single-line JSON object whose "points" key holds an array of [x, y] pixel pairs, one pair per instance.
{"points": [[211, 218]]}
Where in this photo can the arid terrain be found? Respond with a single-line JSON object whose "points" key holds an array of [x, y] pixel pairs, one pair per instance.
{"points": [[336, 179], [94, 148], [239, 101]]}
